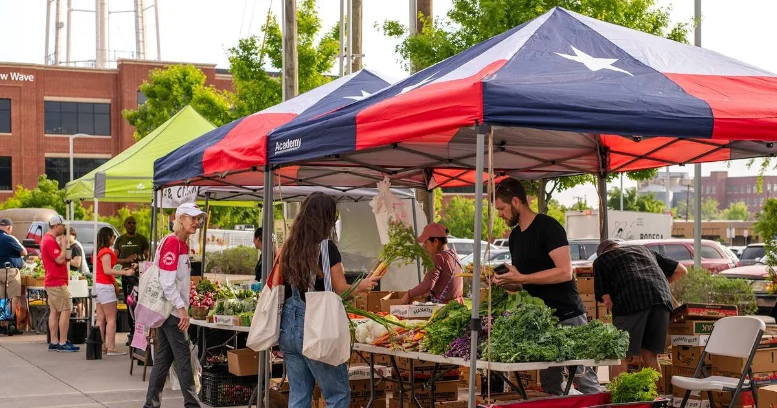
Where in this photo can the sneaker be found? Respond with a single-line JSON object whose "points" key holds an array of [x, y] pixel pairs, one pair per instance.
{"points": [[12, 330], [53, 347], [3, 330], [68, 348]]}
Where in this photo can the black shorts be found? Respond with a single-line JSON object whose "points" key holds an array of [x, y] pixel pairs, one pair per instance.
{"points": [[647, 329]]}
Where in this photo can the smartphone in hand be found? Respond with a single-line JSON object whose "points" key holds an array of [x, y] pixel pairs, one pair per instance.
{"points": [[501, 269]]}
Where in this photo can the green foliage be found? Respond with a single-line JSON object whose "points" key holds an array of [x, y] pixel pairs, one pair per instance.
{"points": [[700, 286], [766, 227], [257, 90], [736, 211], [232, 261], [710, 209], [580, 206], [460, 219], [46, 194], [224, 217], [634, 202], [501, 301], [437, 204], [169, 90], [635, 387], [554, 210]]}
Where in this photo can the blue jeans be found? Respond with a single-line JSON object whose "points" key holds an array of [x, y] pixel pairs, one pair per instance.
{"points": [[303, 372]]}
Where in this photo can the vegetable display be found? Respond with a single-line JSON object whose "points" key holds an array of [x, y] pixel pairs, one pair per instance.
{"points": [[402, 246], [446, 324]]}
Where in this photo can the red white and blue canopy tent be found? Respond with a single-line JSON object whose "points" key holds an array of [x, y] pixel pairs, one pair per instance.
{"points": [[562, 94]]}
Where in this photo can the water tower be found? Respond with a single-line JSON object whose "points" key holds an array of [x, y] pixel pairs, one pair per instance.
{"points": [[60, 12]]}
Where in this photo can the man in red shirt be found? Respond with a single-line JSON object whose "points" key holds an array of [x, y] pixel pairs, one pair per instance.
{"points": [[53, 253]]}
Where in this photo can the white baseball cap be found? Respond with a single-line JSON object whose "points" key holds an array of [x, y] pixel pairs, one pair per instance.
{"points": [[56, 220], [190, 209]]}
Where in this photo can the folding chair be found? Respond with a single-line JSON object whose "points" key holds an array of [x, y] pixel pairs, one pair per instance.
{"points": [[738, 337]]}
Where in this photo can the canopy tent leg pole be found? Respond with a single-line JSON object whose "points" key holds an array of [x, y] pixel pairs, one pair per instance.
{"points": [[204, 233], [475, 323], [697, 216], [92, 305], [263, 388], [604, 230], [415, 229], [154, 221]]}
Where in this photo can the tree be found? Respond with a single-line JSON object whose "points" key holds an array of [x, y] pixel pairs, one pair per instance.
{"points": [[459, 218], [766, 227], [554, 210], [710, 209], [736, 211], [580, 206], [255, 88], [634, 202], [470, 22], [46, 194], [168, 90]]}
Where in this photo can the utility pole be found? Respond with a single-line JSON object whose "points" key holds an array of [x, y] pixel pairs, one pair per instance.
{"points": [[424, 7], [697, 167], [290, 85], [356, 35]]}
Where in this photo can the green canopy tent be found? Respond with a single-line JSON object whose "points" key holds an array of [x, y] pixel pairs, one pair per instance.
{"points": [[129, 176]]}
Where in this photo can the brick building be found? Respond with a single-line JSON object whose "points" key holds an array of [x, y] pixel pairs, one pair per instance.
{"points": [[40, 106], [719, 186]]}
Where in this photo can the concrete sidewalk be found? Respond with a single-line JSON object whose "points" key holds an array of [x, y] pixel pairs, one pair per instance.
{"points": [[31, 376]]}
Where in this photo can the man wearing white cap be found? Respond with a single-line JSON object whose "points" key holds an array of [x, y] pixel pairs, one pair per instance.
{"points": [[53, 253]]}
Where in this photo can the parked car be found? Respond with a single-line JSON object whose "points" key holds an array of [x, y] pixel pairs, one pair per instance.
{"points": [[465, 246], [502, 243], [758, 276], [497, 257], [84, 230], [737, 250], [582, 249], [714, 257], [731, 254], [751, 254]]}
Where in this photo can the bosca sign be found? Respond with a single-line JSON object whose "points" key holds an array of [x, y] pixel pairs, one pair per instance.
{"points": [[16, 77]]}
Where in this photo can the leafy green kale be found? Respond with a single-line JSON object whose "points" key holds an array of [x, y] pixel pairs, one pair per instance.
{"points": [[502, 302], [598, 341]]}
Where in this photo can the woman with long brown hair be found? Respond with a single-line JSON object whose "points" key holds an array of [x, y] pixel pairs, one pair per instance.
{"points": [[302, 271]]}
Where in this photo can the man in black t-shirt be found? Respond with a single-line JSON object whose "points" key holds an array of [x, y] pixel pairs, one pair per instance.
{"points": [[541, 265]]}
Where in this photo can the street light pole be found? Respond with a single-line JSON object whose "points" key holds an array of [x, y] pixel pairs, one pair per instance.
{"points": [[71, 216]]}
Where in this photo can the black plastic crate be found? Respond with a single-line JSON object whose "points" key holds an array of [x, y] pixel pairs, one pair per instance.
{"points": [[222, 389]]}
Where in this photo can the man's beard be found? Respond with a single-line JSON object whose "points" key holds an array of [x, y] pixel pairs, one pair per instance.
{"points": [[514, 217]]}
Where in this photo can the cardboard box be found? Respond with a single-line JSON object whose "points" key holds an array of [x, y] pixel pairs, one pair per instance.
{"points": [[682, 340], [688, 356], [414, 311], [744, 399], [584, 271], [393, 403], [529, 379], [404, 364], [767, 396], [389, 300], [370, 301], [588, 298], [590, 309], [601, 310], [243, 362], [378, 359], [443, 391], [695, 402], [585, 286], [358, 403], [362, 372], [765, 361], [360, 390], [702, 311], [691, 327], [665, 383]]}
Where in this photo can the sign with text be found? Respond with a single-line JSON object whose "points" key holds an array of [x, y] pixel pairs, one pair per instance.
{"points": [[175, 196]]}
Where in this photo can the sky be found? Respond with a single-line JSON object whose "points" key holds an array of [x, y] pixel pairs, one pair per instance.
{"points": [[202, 30]]}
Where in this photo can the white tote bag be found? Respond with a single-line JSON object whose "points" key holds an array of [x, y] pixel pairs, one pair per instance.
{"points": [[266, 324], [327, 337], [152, 308]]}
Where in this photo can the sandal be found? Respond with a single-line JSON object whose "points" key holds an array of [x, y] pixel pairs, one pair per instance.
{"points": [[116, 353]]}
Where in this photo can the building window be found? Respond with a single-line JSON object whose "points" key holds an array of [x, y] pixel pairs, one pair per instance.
{"points": [[5, 174], [5, 116], [69, 118], [141, 98], [59, 168], [714, 189]]}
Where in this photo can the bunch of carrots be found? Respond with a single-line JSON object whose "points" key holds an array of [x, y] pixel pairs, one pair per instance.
{"points": [[402, 338]]}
